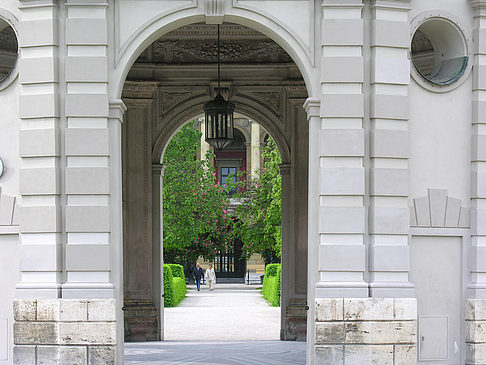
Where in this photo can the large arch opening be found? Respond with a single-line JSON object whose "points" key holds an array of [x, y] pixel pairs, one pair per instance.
{"points": [[167, 86]]}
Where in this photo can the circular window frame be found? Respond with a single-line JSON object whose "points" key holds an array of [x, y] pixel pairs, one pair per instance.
{"points": [[13, 22], [419, 20]]}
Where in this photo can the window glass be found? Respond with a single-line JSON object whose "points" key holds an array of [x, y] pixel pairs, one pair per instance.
{"points": [[8, 49]]}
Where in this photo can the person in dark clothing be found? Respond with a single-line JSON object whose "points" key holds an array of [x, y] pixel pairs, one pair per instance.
{"points": [[197, 275]]}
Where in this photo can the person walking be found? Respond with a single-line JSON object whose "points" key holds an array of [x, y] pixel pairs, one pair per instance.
{"points": [[210, 276], [197, 275]]}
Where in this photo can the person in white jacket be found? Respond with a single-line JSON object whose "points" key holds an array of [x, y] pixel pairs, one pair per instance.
{"points": [[210, 276]]}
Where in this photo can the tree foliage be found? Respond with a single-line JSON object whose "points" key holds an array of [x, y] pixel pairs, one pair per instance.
{"points": [[195, 216], [258, 217]]}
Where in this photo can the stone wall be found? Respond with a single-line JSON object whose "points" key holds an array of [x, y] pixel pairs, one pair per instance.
{"points": [[366, 331], [475, 331], [64, 331]]}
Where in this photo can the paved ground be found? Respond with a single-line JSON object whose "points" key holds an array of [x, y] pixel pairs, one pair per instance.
{"points": [[232, 325], [216, 353], [230, 312]]}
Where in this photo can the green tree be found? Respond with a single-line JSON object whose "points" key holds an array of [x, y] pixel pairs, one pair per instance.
{"points": [[258, 217], [195, 216]]}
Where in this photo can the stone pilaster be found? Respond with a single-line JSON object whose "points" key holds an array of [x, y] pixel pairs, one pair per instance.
{"points": [[141, 243], [64, 331], [286, 258], [389, 213], [312, 108], [478, 153], [342, 259], [366, 331], [40, 188], [87, 175], [255, 149], [115, 120]]}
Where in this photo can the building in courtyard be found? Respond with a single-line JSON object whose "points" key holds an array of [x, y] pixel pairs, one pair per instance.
{"points": [[378, 108], [242, 156]]}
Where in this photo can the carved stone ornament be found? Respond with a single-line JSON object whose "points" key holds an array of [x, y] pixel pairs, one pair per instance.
{"points": [[171, 98], [200, 51], [272, 98], [439, 210]]}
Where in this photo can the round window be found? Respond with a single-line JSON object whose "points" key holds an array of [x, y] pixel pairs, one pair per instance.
{"points": [[439, 51], [8, 49]]}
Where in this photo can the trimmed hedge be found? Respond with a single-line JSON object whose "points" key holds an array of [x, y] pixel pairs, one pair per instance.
{"points": [[174, 285], [271, 284], [177, 270]]}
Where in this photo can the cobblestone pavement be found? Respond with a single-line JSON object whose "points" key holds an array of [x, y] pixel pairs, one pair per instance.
{"points": [[232, 325]]}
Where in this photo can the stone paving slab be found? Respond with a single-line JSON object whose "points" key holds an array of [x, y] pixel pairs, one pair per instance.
{"points": [[216, 353], [232, 325]]}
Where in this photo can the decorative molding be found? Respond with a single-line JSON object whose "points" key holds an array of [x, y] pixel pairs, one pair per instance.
{"points": [[140, 89], [205, 50], [478, 5], [170, 98], [226, 89], [202, 31], [438, 210], [284, 168], [117, 109], [312, 107], [272, 97]]}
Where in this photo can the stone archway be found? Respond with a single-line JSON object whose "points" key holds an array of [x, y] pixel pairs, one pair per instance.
{"points": [[156, 110]]}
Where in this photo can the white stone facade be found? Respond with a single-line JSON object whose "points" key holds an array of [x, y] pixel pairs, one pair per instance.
{"points": [[396, 172]]}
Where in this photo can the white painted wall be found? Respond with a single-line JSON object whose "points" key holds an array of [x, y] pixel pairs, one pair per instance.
{"points": [[440, 139], [9, 272]]}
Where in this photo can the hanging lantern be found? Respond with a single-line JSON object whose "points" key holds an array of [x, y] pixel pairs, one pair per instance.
{"points": [[219, 116]]}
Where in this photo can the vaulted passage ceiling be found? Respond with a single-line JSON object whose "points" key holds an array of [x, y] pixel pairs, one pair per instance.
{"points": [[191, 52]]}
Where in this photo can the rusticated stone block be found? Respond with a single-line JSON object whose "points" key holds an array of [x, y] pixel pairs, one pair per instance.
{"points": [[475, 354], [87, 333], [64, 310], [476, 309], [24, 355], [405, 309], [100, 310], [101, 355], [329, 309], [380, 332], [369, 354], [476, 331], [25, 310], [73, 310], [48, 310], [357, 309], [326, 355], [72, 355], [405, 354], [36, 333], [329, 332]]}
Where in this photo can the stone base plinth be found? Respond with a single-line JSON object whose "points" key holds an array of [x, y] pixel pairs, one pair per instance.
{"points": [[475, 331], [296, 321], [141, 321], [64, 331], [366, 331]]}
